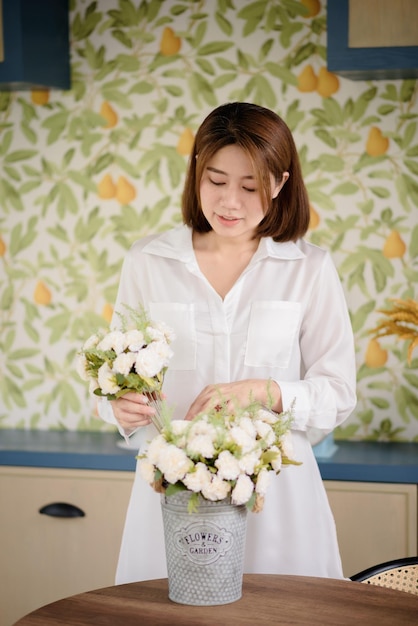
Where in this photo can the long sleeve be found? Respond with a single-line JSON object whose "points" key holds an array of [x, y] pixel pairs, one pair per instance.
{"points": [[325, 396]]}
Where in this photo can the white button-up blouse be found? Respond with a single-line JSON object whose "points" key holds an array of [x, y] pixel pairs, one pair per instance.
{"points": [[286, 319]]}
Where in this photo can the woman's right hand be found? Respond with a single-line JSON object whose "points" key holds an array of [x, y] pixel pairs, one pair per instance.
{"points": [[132, 411]]}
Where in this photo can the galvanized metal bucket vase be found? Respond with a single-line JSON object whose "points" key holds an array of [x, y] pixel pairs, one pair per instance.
{"points": [[204, 550]]}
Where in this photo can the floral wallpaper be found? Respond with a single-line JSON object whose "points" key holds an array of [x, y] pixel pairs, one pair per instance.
{"points": [[87, 171]]}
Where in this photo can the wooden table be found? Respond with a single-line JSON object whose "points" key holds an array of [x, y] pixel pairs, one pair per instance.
{"points": [[266, 599]]}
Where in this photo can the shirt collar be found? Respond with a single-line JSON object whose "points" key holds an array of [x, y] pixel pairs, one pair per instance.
{"points": [[177, 244], [277, 250]]}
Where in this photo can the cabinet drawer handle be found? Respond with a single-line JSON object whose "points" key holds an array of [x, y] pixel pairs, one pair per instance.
{"points": [[61, 509]]}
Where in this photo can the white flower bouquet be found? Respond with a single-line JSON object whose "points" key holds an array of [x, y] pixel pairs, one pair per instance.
{"points": [[220, 454], [134, 358]]}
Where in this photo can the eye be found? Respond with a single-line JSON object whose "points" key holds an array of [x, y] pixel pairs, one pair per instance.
{"points": [[250, 190], [216, 182]]}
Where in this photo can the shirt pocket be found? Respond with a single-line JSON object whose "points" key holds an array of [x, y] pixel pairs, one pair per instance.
{"points": [[181, 318], [271, 333]]}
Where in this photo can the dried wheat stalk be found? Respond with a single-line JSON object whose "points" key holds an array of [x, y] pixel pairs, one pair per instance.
{"points": [[402, 321]]}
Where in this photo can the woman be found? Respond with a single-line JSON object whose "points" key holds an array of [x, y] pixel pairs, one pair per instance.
{"points": [[257, 312]]}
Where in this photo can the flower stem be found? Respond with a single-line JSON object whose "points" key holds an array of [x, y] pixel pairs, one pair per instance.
{"points": [[157, 404]]}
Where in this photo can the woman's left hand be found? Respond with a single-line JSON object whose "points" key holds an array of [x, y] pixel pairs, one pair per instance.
{"points": [[237, 394]]}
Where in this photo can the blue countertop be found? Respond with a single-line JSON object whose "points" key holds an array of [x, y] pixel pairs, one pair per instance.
{"points": [[346, 460]]}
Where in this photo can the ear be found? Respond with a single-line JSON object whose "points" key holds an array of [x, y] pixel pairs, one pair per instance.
{"points": [[279, 186]]}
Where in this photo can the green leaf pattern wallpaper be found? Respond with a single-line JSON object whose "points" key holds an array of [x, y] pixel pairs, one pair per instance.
{"points": [[87, 171]]}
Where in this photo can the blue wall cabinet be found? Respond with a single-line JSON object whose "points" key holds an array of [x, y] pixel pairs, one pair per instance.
{"points": [[369, 62], [36, 49]]}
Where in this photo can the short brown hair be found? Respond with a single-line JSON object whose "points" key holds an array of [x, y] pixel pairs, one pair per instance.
{"points": [[268, 142]]}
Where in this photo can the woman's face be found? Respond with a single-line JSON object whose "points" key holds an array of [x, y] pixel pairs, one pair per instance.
{"points": [[229, 194]]}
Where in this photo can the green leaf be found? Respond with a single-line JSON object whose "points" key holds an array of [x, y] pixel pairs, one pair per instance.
{"points": [[412, 166], [359, 318], [84, 181], [141, 87], [223, 79], [6, 298], [413, 244], [66, 200], [20, 241], [6, 143], [407, 90], [326, 137], [385, 109], [127, 63], [332, 163], [380, 192], [19, 155], [68, 398], [366, 417], [347, 432], [58, 325], [214, 48], [333, 111], [29, 132], [206, 66], [380, 278], [11, 391], [303, 53], [253, 10], [379, 402], [281, 72], [22, 353], [411, 378], [56, 125], [345, 189]]}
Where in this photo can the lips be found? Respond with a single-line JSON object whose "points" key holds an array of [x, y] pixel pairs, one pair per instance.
{"points": [[228, 219]]}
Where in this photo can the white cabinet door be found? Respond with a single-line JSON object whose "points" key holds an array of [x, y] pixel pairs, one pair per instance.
{"points": [[43, 557], [376, 522]]}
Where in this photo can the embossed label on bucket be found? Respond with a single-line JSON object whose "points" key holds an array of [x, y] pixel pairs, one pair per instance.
{"points": [[203, 542]]}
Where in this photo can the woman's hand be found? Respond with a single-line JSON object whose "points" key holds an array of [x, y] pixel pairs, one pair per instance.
{"points": [[238, 394], [132, 411]]}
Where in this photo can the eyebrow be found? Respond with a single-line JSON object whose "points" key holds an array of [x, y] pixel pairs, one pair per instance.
{"points": [[216, 171]]}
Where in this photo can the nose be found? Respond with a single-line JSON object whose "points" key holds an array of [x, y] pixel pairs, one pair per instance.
{"points": [[231, 197]]}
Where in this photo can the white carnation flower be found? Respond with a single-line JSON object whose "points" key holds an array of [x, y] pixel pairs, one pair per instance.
{"points": [[247, 424], [147, 470], [263, 481], [217, 489], [155, 333], [242, 439], [276, 463], [156, 449], [265, 431], [202, 427], [93, 385], [91, 342], [286, 443], [178, 427], [248, 462], [107, 381], [167, 332], [197, 478], [81, 367], [134, 340], [163, 350], [266, 416], [148, 362], [114, 340], [123, 363], [201, 445], [174, 464], [243, 490], [228, 466]]}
